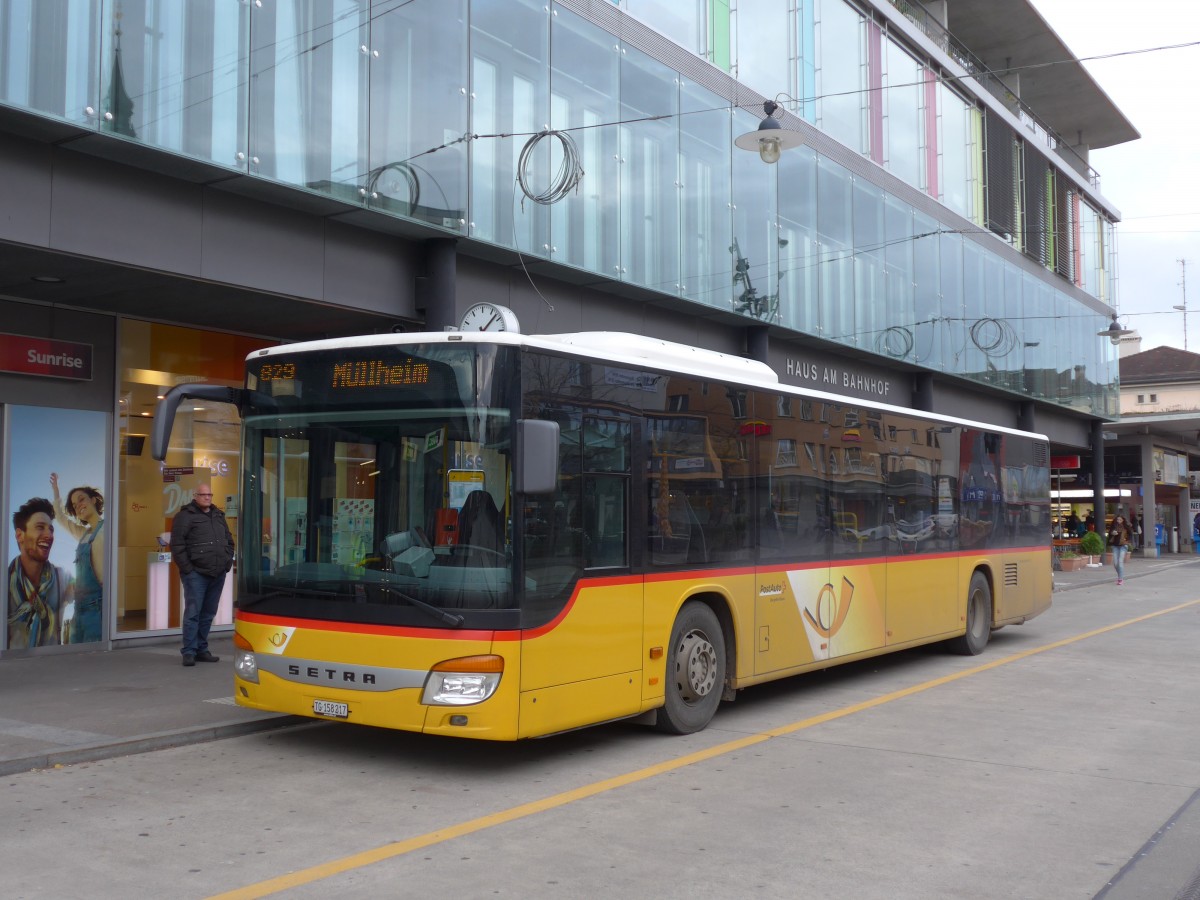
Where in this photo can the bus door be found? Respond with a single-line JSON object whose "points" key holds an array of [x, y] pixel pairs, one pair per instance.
{"points": [[585, 667]]}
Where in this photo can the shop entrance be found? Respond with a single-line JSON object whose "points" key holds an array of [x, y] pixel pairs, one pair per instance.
{"points": [[204, 450]]}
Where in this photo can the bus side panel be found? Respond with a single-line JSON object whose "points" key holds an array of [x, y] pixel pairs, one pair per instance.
{"points": [[594, 646], [325, 661], [784, 601], [552, 709], [665, 596], [924, 595], [852, 605], [1022, 585]]}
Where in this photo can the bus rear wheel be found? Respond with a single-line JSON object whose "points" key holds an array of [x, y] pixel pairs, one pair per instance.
{"points": [[695, 675], [979, 618]]}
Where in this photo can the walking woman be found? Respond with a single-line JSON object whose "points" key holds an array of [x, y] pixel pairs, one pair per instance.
{"points": [[1118, 542]]}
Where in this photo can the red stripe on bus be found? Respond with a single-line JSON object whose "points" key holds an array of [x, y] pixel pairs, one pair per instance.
{"points": [[608, 581]]}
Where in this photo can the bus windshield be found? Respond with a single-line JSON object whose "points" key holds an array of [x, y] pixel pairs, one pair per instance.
{"points": [[377, 486]]}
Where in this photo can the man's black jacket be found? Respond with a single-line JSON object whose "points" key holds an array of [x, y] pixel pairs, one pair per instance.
{"points": [[201, 541]]}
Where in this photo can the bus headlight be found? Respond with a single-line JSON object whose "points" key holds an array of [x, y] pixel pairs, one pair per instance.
{"points": [[245, 666], [463, 681]]}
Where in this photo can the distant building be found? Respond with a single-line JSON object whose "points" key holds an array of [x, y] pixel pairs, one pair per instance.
{"points": [[1156, 453], [1162, 380]]}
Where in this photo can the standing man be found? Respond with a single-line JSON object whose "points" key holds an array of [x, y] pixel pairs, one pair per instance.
{"points": [[202, 548], [38, 592]]}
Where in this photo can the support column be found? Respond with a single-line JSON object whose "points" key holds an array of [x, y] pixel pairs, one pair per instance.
{"points": [[1026, 417], [1148, 513], [758, 343], [1098, 474], [922, 395], [436, 291]]}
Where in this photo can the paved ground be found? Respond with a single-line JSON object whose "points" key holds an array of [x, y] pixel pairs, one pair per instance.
{"points": [[77, 707]]}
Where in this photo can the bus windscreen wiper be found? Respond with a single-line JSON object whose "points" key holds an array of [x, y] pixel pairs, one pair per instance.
{"points": [[255, 599], [451, 619]]}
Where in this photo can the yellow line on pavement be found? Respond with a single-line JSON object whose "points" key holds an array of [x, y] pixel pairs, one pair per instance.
{"points": [[399, 848]]}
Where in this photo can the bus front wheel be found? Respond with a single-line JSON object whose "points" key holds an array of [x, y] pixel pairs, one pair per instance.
{"points": [[695, 671], [979, 618]]}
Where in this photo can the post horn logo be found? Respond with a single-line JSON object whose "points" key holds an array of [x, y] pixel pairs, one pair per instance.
{"points": [[831, 611], [279, 638]]}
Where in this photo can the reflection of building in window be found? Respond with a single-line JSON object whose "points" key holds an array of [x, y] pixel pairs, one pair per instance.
{"points": [[678, 403], [737, 403], [786, 453], [810, 450], [806, 410], [784, 406]]}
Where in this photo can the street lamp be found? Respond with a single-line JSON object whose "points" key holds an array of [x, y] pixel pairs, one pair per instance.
{"points": [[1114, 332], [771, 138]]}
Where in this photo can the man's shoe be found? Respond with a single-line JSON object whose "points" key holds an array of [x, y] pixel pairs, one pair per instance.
{"points": [[188, 659], [205, 656]]}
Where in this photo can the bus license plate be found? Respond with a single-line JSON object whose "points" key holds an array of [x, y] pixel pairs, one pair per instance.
{"points": [[329, 708]]}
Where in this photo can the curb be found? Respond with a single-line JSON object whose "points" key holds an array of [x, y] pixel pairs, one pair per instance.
{"points": [[148, 742]]}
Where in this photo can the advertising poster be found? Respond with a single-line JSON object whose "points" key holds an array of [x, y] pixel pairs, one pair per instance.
{"points": [[55, 526]]}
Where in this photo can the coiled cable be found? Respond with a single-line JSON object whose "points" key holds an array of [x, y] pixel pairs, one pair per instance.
{"points": [[565, 180]]}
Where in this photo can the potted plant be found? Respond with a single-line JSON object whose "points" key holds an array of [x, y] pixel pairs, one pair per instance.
{"points": [[1070, 561], [1092, 543]]}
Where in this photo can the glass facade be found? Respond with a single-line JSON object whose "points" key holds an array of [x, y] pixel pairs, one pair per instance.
{"points": [[434, 110]]}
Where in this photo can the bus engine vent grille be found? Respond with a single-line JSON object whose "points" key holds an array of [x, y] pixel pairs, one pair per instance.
{"points": [[1010, 575]]}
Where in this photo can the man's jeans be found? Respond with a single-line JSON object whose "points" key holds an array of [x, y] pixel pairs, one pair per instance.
{"points": [[201, 596]]}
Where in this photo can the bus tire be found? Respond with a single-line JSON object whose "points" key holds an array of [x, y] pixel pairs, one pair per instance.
{"points": [[695, 671], [979, 618]]}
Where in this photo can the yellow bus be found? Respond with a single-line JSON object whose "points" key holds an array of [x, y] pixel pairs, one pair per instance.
{"points": [[504, 536]]}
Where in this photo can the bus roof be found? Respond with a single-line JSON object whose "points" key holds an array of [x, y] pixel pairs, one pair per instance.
{"points": [[632, 350]]}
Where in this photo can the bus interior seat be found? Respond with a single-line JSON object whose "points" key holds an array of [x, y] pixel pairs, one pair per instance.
{"points": [[479, 522], [685, 542]]}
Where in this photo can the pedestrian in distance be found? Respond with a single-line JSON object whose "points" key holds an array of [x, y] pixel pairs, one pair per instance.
{"points": [[202, 547], [1119, 538]]}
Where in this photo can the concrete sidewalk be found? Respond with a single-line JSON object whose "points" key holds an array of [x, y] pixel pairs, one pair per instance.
{"points": [[1135, 567], [78, 707]]}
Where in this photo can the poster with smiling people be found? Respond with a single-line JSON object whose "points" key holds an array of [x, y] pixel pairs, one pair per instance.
{"points": [[56, 526]]}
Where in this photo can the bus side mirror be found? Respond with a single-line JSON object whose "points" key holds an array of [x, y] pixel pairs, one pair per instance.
{"points": [[537, 457], [164, 413]]}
